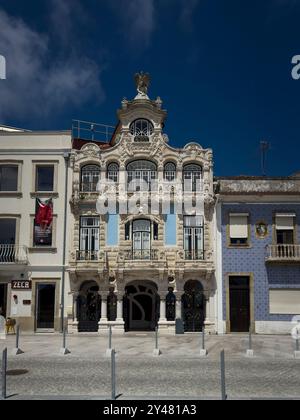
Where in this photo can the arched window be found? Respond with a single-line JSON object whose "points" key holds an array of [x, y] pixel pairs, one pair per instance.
{"points": [[141, 129], [141, 175], [192, 178], [90, 176], [113, 172], [170, 171]]}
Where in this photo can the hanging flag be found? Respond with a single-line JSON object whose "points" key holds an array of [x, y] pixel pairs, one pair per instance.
{"points": [[43, 223]]}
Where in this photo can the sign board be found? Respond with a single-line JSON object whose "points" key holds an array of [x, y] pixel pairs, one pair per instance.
{"points": [[21, 285]]}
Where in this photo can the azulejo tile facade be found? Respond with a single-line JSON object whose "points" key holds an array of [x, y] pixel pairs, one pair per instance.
{"points": [[113, 226]]}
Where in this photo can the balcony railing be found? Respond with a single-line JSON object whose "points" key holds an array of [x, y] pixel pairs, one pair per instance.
{"points": [[87, 255], [283, 253], [89, 187], [194, 255], [13, 254], [145, 255], [142, 181]]}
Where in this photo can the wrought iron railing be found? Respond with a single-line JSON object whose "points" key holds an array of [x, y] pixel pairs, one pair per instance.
{"points": [[150, 255], [86, 130], [283, 252], [89, 187], [87, 255], [170, 176], [142, 180], [13, 254], [194, 255]]}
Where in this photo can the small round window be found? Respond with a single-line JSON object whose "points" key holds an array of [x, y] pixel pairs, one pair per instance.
{"points": [[141, 130]]}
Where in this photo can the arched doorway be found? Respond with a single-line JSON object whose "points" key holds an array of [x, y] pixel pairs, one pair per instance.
{"points": [[141, 306], [89, 307], [193, 306]]}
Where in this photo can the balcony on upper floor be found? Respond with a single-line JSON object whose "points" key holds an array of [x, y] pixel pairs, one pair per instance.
{"points": [[283, 253], [13, 255]]}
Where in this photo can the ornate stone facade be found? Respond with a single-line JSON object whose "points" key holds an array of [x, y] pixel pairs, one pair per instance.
{"points": [[166, 267]]}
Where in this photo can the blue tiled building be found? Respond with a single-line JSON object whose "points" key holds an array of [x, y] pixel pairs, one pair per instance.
{"points": [[259, 253]]}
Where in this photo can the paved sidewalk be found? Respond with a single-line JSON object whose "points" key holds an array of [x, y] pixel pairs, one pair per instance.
{"points": [[43, 373]]}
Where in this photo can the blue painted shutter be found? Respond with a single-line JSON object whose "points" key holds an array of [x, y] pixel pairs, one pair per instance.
{"points": [[170, 228], [113, 230]]}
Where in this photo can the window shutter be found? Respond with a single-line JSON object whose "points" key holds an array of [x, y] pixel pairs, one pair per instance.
{"points": [[239, 226], [285, 221]]}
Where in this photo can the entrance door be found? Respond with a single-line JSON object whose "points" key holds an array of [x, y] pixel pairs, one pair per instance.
{"points": [[239, 304], [45, 306], [3, 299], [89, 307], [193, 305], [141, 307]]}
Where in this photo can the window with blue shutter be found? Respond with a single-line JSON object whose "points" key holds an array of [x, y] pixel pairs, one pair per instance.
{"points": [[113, 230]]}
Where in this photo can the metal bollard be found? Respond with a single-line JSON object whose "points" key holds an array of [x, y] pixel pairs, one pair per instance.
{"points": [[16, 351], [203, 351], [156, 351], [250, 352], [65, 349], [297, 345], [223, 377], [3, 374], [113, 375], [110, 338]]}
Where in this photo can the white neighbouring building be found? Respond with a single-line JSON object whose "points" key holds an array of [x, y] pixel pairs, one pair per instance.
{"points": [[32, 167]]}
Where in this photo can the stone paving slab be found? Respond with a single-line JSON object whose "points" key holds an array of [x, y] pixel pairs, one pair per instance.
{"points": [[43, 373]]}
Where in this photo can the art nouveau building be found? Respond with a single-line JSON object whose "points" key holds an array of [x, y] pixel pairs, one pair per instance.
{"points": [[140, 263]]}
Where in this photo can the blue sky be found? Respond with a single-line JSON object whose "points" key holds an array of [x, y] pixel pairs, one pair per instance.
{"points": [[222, 68]]}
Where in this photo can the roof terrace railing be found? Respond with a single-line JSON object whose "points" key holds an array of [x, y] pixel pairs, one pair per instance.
{"points": [[86, 130]]}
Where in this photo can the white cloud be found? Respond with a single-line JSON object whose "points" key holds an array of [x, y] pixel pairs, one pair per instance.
{"points": [[138, 20], [36, 83]]}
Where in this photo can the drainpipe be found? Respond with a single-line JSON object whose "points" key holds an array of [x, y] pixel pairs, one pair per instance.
{"points": [[63, 278]]}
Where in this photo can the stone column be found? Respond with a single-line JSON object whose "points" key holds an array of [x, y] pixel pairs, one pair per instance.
{"points": [[162, 309], [119, 325], [120, 308], [179, 305], [73, 324], [103, 324]]}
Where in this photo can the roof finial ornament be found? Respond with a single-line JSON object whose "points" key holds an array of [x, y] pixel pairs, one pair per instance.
{"points": [[142, 81]]}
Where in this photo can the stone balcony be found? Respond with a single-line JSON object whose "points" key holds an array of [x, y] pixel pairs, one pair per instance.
{"points": [[85, 261], [13, 255], [283, 254]]}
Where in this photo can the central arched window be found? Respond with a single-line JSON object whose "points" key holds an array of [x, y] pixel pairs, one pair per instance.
{"points": [[113, 172], [141, 175], [192, 178], [141, 129], [90, 176]]}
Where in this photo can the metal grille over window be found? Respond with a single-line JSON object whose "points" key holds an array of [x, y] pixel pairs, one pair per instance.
{"points": [[90, 176], [141, 130]]}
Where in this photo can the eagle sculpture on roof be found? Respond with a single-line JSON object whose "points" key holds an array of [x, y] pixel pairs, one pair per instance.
{"points": [[142, 81]]}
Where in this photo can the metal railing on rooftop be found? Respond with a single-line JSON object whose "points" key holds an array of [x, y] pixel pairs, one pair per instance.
{"points": [[86, 130]]}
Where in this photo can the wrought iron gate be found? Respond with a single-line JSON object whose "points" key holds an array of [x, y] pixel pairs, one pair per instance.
{"points": [[193, 306]]}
